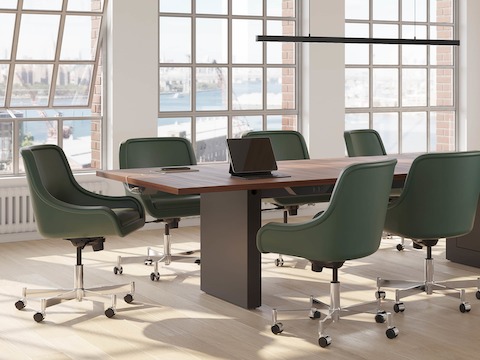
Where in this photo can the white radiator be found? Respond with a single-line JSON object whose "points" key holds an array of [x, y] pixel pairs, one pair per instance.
{"points": [[16, 213]]}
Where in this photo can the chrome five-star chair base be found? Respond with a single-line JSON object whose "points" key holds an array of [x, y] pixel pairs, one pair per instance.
{"points": [[333, 312], [405, 288], [50, 297], [156, 256]]}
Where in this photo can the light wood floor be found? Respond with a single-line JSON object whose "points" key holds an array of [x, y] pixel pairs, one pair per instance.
{"points": [[173, 319]]}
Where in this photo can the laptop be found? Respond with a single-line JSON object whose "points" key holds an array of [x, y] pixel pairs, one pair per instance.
{"points": [[252, 158]]}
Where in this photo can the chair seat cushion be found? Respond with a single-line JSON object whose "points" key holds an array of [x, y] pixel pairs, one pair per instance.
{"points": [[126, 215]]}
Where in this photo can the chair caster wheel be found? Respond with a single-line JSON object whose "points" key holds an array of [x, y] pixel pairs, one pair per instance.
{"points": [[399, 307], [20, 304], [277, 328], [148, 262], [155, 276], [315, 315], [110, 312], [118, 270], [392, 333], [400, 247], [381, 317], [278, 262], [197, 261], [380, 294], [465, 307], [38, 317], [128, 298], [477, 294], [324, 341]]}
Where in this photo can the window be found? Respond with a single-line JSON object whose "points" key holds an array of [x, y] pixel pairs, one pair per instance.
{"points": [[50, 78], [405, 92], [216, 81]]}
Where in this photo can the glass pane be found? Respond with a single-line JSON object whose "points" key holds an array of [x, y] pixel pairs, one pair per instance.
{"points": [[8, 4], [441, 87], [414, 87], [175, 89], [414, 10], [177, 127], [7, 23], [441, 55], [385, 54], [73, 85], [285, 8], [247, 7], [212, 41], [281, 88], [77, 143], [3, 83], [212, 7], [42, 4], [38, 37], [387, 126], [442, 131], [441, 11], [356, 121], [6, 145], [414, 54], [85, 5], [282, 122], [211, 139], [357, 9], [280, 52], [31, 85], [175, 40], [212, 88], [414, 132], [245, 49], [243, 124], [38, 132], [356, 53], [385, 10], [247, 88], [80, 37], [385, 87], [357, 88], [178, 6]]}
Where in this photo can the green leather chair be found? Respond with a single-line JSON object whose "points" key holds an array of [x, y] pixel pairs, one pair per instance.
{"points": [[289, 145], [163, 207], [64, 209], [368, 142], [350, 228], [364, 142], [439, 200]]}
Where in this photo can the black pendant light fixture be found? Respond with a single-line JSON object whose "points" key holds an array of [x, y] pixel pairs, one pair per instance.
{"points": [[356, 40]]}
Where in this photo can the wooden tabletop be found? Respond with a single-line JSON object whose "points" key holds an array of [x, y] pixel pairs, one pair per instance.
{"points": [[214, 177]]}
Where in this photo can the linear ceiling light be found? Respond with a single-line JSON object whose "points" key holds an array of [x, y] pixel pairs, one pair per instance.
{"points": [[354, 40]]}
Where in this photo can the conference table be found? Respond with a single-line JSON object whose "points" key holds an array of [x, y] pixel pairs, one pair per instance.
{"points": [[230, 213]]}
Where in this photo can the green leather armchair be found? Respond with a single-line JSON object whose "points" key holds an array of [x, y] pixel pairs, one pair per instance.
{"points": [[64, 209], [290, 145], [163, 207], [350, 228], [439, 200]]}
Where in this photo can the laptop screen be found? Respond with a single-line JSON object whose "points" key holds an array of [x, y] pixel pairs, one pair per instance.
{"points": [[251, 155]]}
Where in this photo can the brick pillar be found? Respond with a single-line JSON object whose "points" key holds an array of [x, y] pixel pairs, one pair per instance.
{"points": [[289, 122], [96, 125]]}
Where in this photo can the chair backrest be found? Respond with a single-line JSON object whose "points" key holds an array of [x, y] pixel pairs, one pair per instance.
{"points": [[439, 198], [364, 142], [286, 144], [49, 175], [351, 226], [157, 151]]}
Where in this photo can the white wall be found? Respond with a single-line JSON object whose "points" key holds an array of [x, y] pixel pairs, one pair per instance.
{"points": [[323, 72], [469, 82], [132, 67]]}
